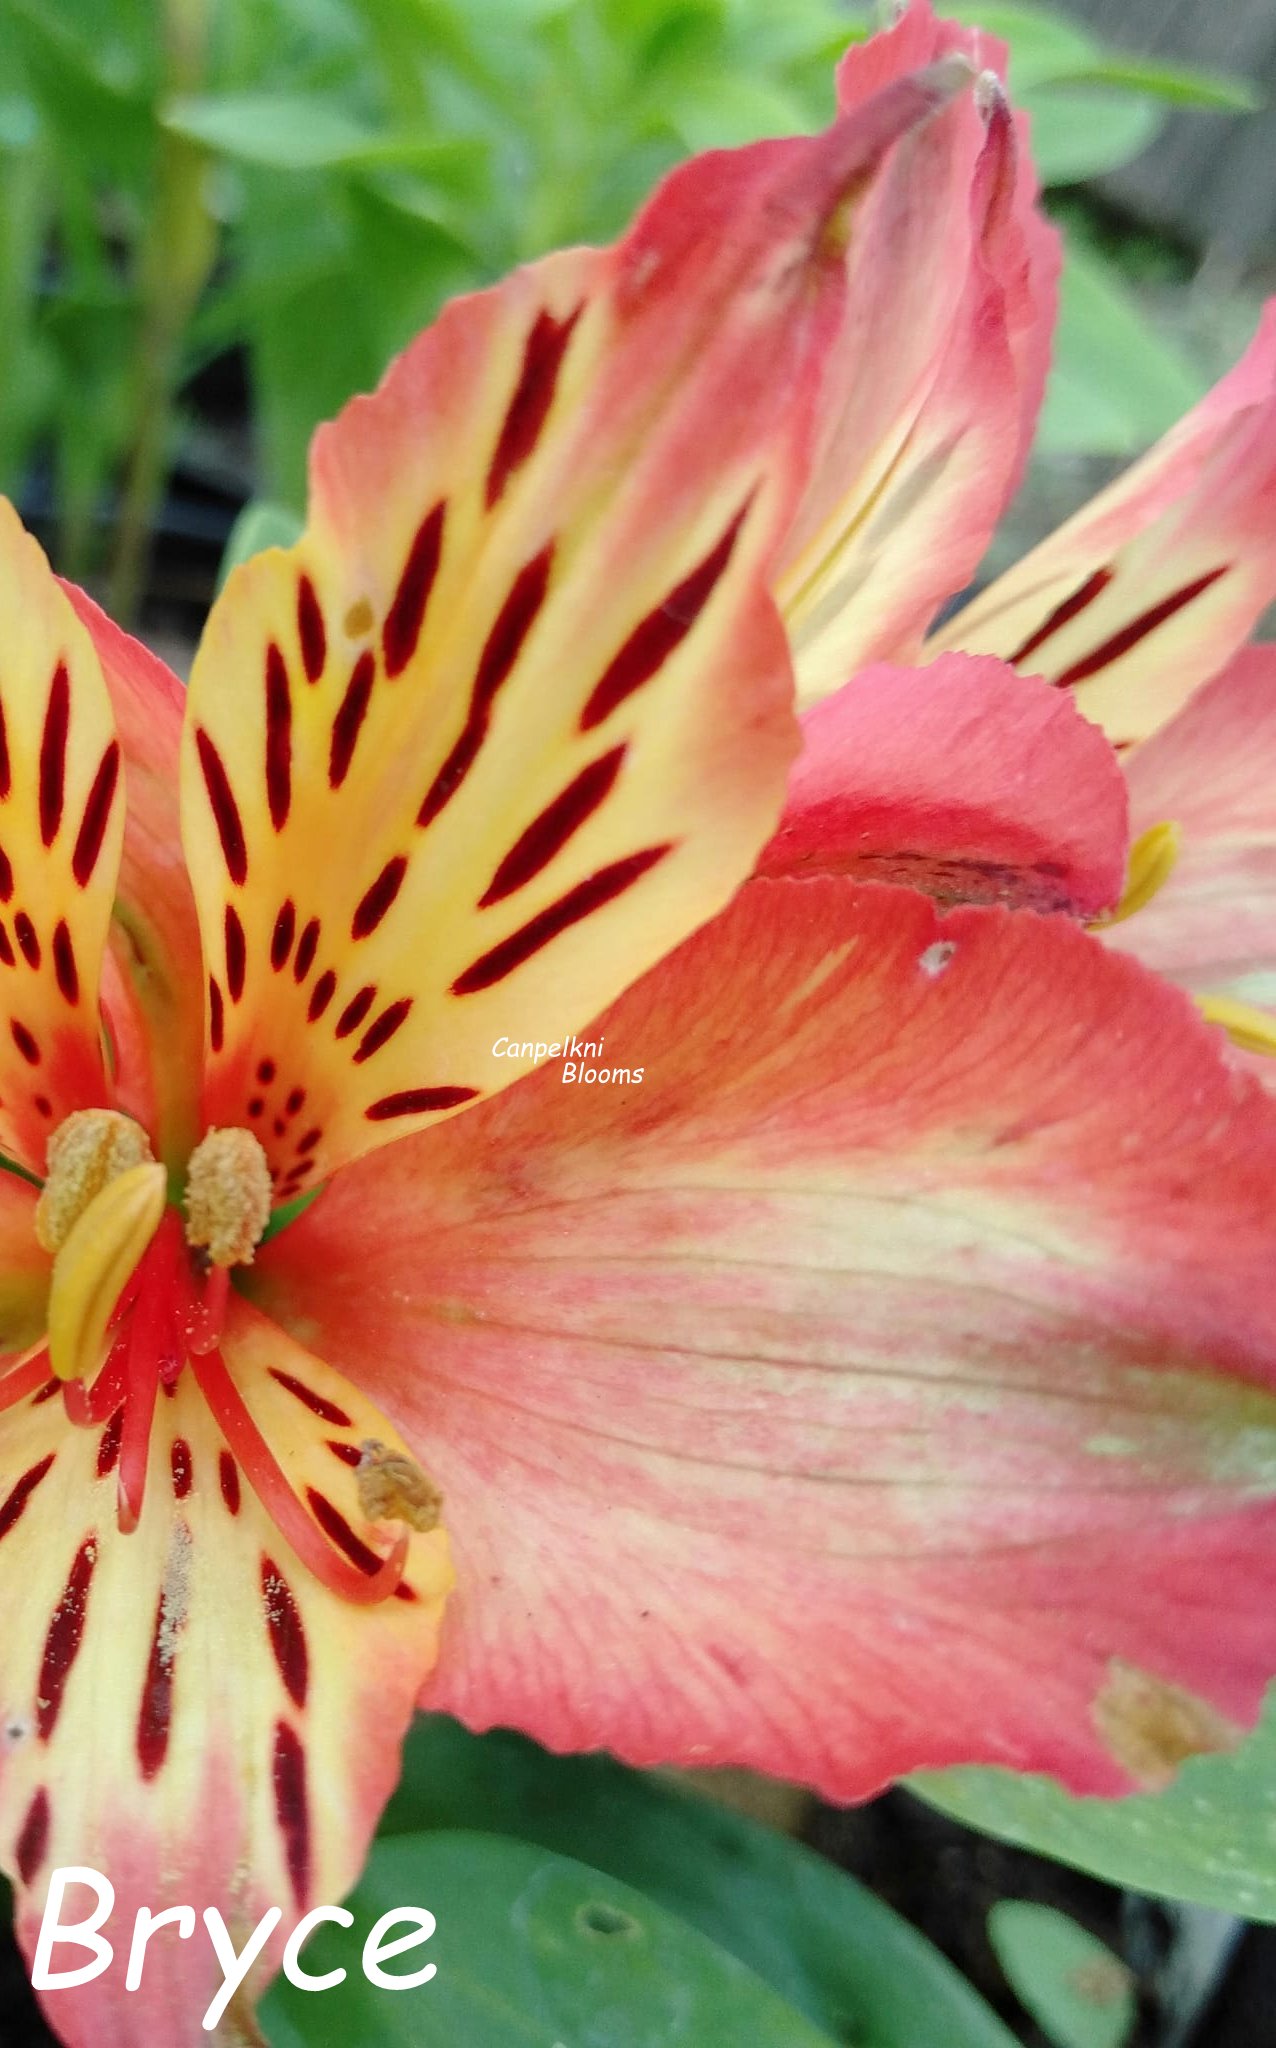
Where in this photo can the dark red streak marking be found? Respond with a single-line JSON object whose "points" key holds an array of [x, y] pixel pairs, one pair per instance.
{"points": [[654, 639], [549, 833], [377, 901], [236, 954], [349, 1454], [282, 937], [528, 410], [417, 1102], [501, 650], [326, 1410], [225, 810], [57, 724], [348, 722], [28, 942], [62, 1644], [311, 1139], [278, 738], [265, 1072], [25, 1043], [156, 1710], [287, 1636], [216, 1016], [43, 1105], [21, 1492], [6, 768], [46, 1393], [7, 953], [356, 1010], [296, 1099], [581, 902], [307, 947], [406, 616], [1062, 615], [382, 1030], [228, 1473], [338, 1530], [321, 995], [108, 1449], [291, 1807], [34, 1838], [310, 630], [255, 1105], [97, 813], [180, 1461], [1137, 629], [6, 877], [64, 967]]}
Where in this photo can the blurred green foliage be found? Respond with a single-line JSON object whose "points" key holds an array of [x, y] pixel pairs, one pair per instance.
{"points": [[307, 180]]}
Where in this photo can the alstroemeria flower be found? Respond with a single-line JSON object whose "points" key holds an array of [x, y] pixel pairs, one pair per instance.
{"points": [[1129, 610], [884, 1378]]}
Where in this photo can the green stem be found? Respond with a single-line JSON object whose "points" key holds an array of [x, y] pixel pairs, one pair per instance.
{"points": [[174, 261]]}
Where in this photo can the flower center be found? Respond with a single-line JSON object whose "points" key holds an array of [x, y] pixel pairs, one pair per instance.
{"points": [[139, 1293]]}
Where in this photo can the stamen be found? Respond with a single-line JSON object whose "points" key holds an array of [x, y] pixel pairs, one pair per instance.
{"points": [[228, 1196], [27, 1374], [1252, 1029], [95, 1264], [88, 1407], [151, 1348], [1151, 863], [273, 1490], [91, 1148]]}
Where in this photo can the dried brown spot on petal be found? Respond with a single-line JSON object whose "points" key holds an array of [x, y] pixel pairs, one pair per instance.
{"points": [[1151, 1726], [393, 1489]]}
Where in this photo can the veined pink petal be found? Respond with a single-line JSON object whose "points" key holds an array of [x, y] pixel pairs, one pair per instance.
{"points": [[933, 391], [1212, 771], [1147, 591], [884, 1379], [516, 713], [153, 986], [185, 1709], [964, 779]]}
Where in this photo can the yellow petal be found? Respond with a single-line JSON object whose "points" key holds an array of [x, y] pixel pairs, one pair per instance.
{"points": [[61, 821]]}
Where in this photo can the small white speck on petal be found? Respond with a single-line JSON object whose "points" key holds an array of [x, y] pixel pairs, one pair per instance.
{"points": [[936, 957]]}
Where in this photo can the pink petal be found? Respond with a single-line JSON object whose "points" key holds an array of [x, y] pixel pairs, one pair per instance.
{"points": [[1149, 589], [963, 779], [515, 715], [933, 393], [883, 1380], [153, 980], [1212, 770]]}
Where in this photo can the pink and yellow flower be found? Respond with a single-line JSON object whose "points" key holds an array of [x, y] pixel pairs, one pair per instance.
{"points": [[887, 1378]]}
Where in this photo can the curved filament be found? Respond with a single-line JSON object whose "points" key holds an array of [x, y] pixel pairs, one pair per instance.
{"points": [[266, 1477], [26, 1376]]}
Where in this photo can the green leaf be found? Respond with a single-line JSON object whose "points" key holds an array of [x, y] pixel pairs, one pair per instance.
{"points": [[532, 1950], [1074, 1987], [823, 1942], [1210, 1839], [1179, 85], [262, 524], [1078, 135], [299, 132], [1115, 384]]}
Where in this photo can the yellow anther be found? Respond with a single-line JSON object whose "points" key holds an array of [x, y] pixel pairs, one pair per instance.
{"points": [[228, 1195], [1253, 1030], [96, 1262], [1151, 864], [90, 1149]]}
